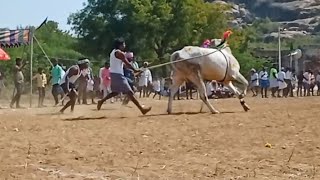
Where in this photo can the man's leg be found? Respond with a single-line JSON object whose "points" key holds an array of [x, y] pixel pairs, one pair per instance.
{"points": [[80, 92], [18, 95], [110, 95], [43, 89], [40, 96], [84, 93], [55, 93], [136, 102]]}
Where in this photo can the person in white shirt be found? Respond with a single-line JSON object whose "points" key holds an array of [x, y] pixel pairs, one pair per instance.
{"points": [[294, 82], [318, 83], [119, 83], [264, 82], [282, 84], [312, 83], [254, 82], [145, 80], [306, 82], [287, 79], [156, 88]]}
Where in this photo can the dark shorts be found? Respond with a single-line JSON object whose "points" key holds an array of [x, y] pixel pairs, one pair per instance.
{"points": [[264, 83], [119, 84], [18, 87], [65, 87], [56, 89]]}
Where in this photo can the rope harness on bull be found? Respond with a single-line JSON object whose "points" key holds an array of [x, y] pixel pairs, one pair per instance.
{"points": [[203, 55]]}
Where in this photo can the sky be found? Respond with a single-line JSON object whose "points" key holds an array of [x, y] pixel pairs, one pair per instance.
{"points": [[33, 12]]}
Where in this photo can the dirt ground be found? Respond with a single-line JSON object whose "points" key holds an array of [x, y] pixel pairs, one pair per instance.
{"points": [[118, 143]]}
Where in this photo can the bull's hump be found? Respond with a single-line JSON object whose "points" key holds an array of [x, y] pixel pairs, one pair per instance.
{"points": [[190, 51]]}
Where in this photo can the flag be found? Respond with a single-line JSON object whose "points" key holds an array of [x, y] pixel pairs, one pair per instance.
{"points": [[4, 55], [43, 23]]}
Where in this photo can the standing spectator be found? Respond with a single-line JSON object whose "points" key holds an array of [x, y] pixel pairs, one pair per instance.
{"points": [[288, 79], [273, 80], [57, 74], [156, 88], [189, 88], [300, 78], [264, 82], [18, 78], [145, 80], [306, 83], [105, 80], [293, 82], [281, 80], [41, 80], [82, 88], [312, 83], [254, 82], [90, 85], [318, 83], [129, 74]]}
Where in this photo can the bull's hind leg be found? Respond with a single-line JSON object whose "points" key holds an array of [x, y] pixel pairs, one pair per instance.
{"points": [[240, 95], [197, 80], [176, 83]]}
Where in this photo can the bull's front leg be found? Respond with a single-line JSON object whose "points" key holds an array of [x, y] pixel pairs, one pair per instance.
{"points": [[239, 95]]}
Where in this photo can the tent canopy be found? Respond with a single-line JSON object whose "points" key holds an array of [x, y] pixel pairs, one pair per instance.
{"points": [[15, 38], [4, 55]]}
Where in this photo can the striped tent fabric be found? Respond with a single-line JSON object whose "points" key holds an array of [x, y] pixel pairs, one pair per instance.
{"points": [[14, 38]]}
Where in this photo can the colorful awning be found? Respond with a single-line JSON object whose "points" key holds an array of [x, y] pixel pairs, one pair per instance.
{"points": [[14, 38]]}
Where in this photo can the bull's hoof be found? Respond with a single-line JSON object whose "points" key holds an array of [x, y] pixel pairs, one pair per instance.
{"points": [[215, 112], [169, 111]]}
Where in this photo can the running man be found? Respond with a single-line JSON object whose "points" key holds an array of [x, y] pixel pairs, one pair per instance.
{"points": [[69, 79], [119, 83]]}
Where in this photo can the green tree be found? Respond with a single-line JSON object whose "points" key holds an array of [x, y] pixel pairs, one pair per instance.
{"points": [[151, 27]]}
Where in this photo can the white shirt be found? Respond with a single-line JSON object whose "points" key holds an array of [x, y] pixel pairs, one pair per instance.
{"points": [[263, 75], [318, 78], [145, 77], [156, 85], [255, 77], [116, 65], [281, 75], [288, 75], [306, 77], [209, 88]]}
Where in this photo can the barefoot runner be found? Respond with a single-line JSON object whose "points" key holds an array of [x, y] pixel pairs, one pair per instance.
{"points": [[119, 83], [71, 76]]}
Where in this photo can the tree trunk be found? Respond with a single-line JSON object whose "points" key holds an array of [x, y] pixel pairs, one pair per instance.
{"points": [[160, 54]]}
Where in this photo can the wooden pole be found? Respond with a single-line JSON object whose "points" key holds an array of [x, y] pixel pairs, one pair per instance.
{"points": [[31, 62]]}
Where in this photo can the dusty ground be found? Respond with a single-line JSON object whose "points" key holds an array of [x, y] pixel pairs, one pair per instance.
{"points": [[34, 144]]}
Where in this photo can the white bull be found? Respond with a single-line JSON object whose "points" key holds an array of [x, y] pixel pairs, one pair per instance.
{"points": [[197, 64]]}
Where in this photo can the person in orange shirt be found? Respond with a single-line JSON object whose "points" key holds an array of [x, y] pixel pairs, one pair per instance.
{"points": [[225, 37]]}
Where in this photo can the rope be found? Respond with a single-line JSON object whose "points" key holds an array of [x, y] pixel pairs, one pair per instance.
{"points": [[172, 62]]}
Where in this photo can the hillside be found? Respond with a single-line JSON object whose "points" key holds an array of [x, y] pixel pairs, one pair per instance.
{"points": [[295, 15]]}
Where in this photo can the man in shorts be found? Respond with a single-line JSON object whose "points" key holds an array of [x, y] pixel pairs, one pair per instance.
{"points": [[119, 83]]}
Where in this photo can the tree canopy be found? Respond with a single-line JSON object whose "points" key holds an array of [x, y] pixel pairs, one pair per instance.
{"points": [[152, 28]]}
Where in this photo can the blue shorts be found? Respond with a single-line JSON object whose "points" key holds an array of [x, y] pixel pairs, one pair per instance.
{"points": [[264, 83]]}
